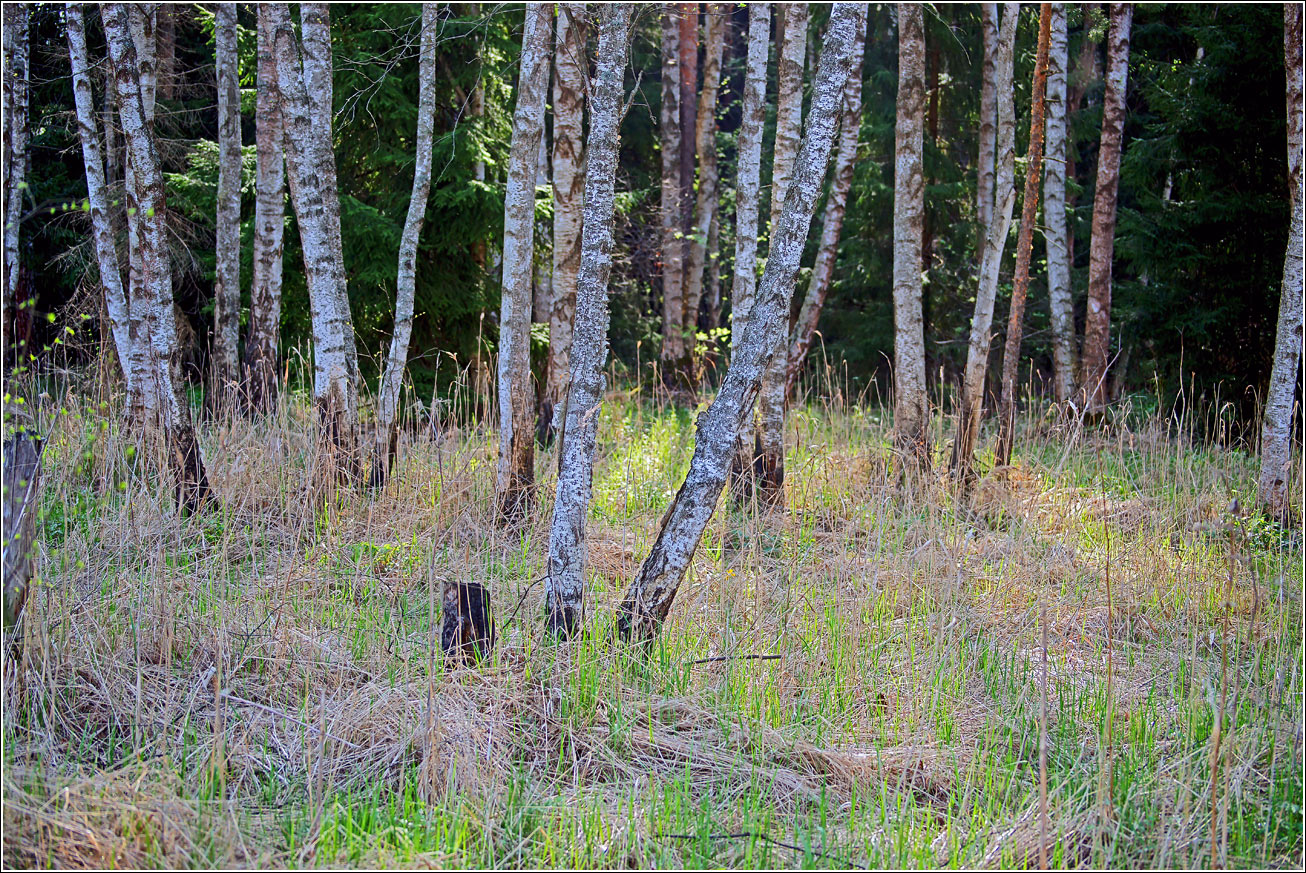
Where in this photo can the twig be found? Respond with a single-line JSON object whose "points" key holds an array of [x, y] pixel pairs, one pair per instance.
{"points": [[227, 694], [754, 835], [720, 658]]}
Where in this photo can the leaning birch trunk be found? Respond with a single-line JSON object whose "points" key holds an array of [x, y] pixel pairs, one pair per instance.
{"points": [[226, 287], [515, 483], [269, 228], [162, 385], [16, 100], [650, 595], [1276, 428], [769, 461], [988, 131], [310, 165], [1054, 214], [387, 407], [20, 496], [818, 286], [565, 588], [570, 67], [971, 403], [1024, 245], [748, 183], [1097, 320], [910, 407], [106, 252], [705, 205], [673, 242]]}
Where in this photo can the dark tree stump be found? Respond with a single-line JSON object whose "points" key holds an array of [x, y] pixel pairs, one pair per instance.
{"points": [[468, 630], [20, 493]]}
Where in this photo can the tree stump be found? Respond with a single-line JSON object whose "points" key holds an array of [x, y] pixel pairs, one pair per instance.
{"points": [[468, 630], [19, 495]]}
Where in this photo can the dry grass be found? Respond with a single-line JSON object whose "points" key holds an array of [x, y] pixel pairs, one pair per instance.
{"points": [[257, 686]]}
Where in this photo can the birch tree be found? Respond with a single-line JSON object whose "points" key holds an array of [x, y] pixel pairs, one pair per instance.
{"points": [[515, 482], [141, 23], [565, 588], [387, 409], [1277, 425], [818, 286], [1054, 213], [1024, 244], [988, 121], [910, 407], [769, 462], [304, 80], [714, 28], [650, 595], [569, 71], [971, 403], [748, 183], [673, 241], [1097, 321], [167, 413], [226, 286], [269, 226], [16, 100]]}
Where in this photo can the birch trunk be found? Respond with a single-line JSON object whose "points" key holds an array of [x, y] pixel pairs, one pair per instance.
{"points": [[269, 227], [106, 252], [1054, 212], [1024, 244], [971, 403], [140, 22], [650, 595], [1097, 321], [16, 100], [673, 241], [570, 69], [226, 286], [1277, 426], [748, 183], [688, 69], [161, 383], [387, 410], [712, 293], [565, 588], [910, 407], [310, 164], [516, 471], [988, 131], [818, 287], [769, 462], [714, 28]]}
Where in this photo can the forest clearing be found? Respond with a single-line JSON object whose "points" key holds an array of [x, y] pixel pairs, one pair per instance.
{"points": [[440, 436]]}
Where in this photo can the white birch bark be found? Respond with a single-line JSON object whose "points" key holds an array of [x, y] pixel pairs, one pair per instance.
{"points": [[769, 462], [1054, 212], [310, 164], [269, 226], [673, 242], [565, 588], [162, 386], [748, 183], [910, 407], [836, 204], [226, 285], [140, 22], [106, 253], [705, 144], [569, 72], [977, 356], [387, 411], [16, 102], [650, 595], [988, 131], [1277, 425], [515, 481]]}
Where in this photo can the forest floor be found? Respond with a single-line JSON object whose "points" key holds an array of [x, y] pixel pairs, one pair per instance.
{"points": [[855, 681]]}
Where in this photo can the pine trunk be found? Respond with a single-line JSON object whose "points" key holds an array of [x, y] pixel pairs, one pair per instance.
{"points": [[226, 285], [688, 69], [714, 28], [910, 406], [269, 227], [971, 403], [650, 595], [818, 287], [516, 471], [988, 122], [16, 101], [1054, 213], [673, 241], [748, 183], [1277, 426], [769, 461], [1097, 322], [565, 591], [162, 386]]}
